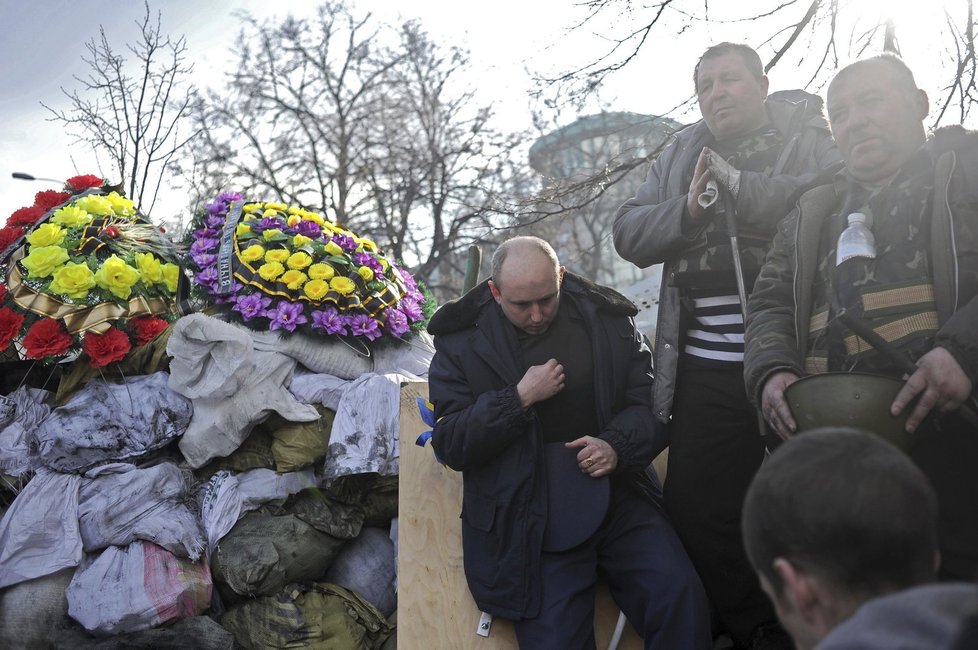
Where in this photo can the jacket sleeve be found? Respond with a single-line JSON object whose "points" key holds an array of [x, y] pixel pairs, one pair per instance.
{"points": [[470, 429], [648, 227], [764, 200], [770, 339], [634, 432]]}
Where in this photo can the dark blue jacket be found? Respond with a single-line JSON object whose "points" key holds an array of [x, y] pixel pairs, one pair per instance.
{"points": [[483, 432]]}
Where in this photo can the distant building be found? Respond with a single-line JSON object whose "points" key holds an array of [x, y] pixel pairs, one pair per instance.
{"points": [[587, 156]]}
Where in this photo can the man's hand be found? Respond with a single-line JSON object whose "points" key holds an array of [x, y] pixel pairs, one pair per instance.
{"points": [[773, 405], [701, 175], [596, 457], [540, 383], [939, 381], [724, 173]]}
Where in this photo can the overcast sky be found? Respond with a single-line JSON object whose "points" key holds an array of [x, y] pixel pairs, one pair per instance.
{"points": [[44, 41]]}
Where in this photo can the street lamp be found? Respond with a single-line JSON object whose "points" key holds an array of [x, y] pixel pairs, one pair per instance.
{"points": [[27, 177]]}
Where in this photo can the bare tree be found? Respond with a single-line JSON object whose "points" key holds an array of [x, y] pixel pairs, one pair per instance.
{"points": [[133, 110], [813, 35], [375, 125]]}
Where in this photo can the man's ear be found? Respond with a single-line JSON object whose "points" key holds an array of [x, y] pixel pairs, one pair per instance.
{"points": [[799, 589], [494, 290], [560, 276], [765, 83], [923, 104]]}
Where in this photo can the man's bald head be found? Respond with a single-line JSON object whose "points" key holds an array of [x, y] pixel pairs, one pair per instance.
{"points": [[526, 280]]}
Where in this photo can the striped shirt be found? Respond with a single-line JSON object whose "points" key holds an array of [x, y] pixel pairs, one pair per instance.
{"points": [[717, 329]]}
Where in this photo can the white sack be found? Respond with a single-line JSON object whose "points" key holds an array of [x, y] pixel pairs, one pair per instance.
{"points": [[112, 421], [39, 532], [20, 413], [210, 358], [364, 437], [137, 587], [118, 504]]}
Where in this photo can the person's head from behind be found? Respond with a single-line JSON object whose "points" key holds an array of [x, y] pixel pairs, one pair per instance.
{"points": [[876, 113], [526, 280], [834, 518], [730, 88]]}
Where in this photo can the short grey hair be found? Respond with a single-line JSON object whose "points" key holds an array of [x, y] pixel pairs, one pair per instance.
{"points": [[901, 72]]}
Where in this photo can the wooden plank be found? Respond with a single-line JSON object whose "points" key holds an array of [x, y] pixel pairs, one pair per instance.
{"points": [[434, 607]]}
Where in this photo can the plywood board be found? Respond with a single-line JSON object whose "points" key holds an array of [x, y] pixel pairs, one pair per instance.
{"points": [[434, 607]]}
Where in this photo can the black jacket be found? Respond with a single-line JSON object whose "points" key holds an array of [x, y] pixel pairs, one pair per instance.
{"points": [[483, 432]]}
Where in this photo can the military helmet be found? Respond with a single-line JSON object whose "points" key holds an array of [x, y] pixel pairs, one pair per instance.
{"points": [[849, 399]]}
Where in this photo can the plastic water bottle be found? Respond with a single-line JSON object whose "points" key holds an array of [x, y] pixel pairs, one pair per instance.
{"points": [[856, 240]]}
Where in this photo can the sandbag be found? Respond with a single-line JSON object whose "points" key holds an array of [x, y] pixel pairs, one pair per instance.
{"points": [[325, 513], [39, 533], [263, 553], [366, 566], [137, 587], [375, 494], [210, 358], [298, 444], [119, 504], [365, 432], [20, 413], [112, 421], [31, 610], [255, 452], [320, 617], [199, 633]]}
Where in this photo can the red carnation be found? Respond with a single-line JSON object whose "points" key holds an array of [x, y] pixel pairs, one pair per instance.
{"points": [[10, 324], [46, 338], [146, 328], [9, 235], [25, 216], [81, 183], [3, 290], [47, 199], [103, 349]]}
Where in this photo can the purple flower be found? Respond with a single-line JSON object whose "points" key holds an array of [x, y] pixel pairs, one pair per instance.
{"points": [[214, 222], [310, 229], [206, 276], [365, 259], [409, 280], [267, 223], [230, 297], [363, 325], [397, 322], [286, 315], [331, 320], [227, 197], [345, 242], [410, 307], [203, 245], [251, 306], [207, 233], [203, 260]]}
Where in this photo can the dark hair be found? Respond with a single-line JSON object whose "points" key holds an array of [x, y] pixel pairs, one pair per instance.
{"points": [[844, 505], [523, 242], [901, 72], [751, 60]]}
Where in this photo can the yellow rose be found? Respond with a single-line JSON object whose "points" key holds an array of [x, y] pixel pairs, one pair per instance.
{"points": [[300, 240], [299, 260], [271, 270], [253, 253], [269, 212], [251, 207], [367, 244], [293, 279], [117, 277], [312, 216], [321, 271], [341, 285], [316, 289], [171, 276], [271, 232], [43, 260], [279, 255], [294, 209], [73, 280], [275, 206], [150, 268], [242, 229], [366, 273], [384, 264], [293, 220], [95, 204], [121, 205], [47, 234], [332, 248], [71, 216]]}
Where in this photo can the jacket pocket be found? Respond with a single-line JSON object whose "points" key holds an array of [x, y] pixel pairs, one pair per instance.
{"points": [[484, 542]]}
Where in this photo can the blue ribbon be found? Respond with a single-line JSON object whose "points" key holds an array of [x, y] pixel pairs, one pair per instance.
{"points": [[427, 411]]}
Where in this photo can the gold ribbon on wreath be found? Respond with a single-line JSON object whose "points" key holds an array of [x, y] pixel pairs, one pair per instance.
{"points": [[78, 318]]}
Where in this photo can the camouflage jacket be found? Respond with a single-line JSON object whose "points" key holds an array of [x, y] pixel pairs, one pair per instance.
{"points": [[781, 304], [648, 227]]}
